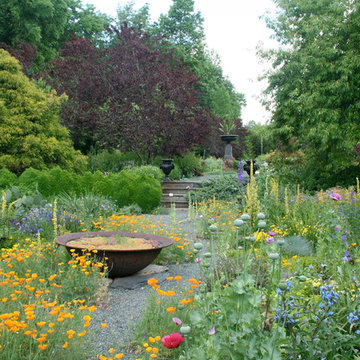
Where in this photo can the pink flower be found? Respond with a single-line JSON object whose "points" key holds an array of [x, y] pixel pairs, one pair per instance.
{"points": [[272, 233], [177, 321], [335, 196], [198, 260], [212, 331], [173, 340], [270, 239]]}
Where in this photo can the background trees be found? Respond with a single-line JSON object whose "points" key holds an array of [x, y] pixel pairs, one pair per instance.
{"points": [[30, 133], [48, 23], [130, 96], [147, 87], [315, 85]]}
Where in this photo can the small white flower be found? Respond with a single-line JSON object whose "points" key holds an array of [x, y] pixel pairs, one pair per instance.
{"points": [[171, 194]]}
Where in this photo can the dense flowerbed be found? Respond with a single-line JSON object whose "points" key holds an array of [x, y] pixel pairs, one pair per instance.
{"points": [[279, 280]]}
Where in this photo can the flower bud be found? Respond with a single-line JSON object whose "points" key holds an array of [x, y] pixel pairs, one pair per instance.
{"points": [[238, 222], [245, 217], [198, 245], [185, 329], [261, 216], [261, 224], [213, 228], [274, 256]]}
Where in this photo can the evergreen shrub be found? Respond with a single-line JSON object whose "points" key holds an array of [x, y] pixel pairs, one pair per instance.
{"points": [[139, 186], [7, 178], [188, 164], [224, 188], [111, 161]]}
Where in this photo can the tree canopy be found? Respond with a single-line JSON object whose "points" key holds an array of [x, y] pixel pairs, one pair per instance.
{"points": [[130, 96], [48, 23], [315, 82], [30, 132]]}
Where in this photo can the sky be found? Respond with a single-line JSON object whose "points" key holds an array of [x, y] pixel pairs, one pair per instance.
{"points": [[233, 30]]}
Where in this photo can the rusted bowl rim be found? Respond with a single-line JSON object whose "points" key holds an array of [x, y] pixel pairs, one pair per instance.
{"points": [[158, 242]]}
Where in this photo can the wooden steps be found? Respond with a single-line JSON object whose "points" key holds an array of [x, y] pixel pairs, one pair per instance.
{"points": [[175, 191]]}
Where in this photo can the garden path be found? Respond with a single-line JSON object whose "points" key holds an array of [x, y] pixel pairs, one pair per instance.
{"points": [[124, 307]]}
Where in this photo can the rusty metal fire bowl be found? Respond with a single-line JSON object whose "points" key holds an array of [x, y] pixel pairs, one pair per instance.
{"points": [[120, 262]]}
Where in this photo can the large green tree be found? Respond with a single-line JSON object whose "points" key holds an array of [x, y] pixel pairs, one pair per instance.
{"points": [[48, 23], [30, 132], [314, 85]]}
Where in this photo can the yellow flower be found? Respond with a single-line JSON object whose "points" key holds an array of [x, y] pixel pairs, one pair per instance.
{"points": [[42, 346], [104, 325], [119, 356], [111, 350], [65, 345]]}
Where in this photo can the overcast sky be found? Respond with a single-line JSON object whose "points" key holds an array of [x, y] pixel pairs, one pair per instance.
{"points": [[233, 30]]}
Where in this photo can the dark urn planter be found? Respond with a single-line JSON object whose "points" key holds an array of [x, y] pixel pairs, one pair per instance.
{"points": [[120, 262], [228, 147], [247, 166], [166, 166]]}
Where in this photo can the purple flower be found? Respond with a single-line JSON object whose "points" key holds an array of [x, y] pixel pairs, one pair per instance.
{"points": [[272, 233], [335, 196], [198, 260], [212, 331], [347, 256], [270, 239], [177, 321], [241, 172]]}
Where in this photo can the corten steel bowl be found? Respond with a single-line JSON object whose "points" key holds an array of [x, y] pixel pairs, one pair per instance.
{"points": [[120, 262]]}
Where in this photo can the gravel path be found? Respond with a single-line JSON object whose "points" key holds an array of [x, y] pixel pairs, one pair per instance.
{"points": [[125, 307]]}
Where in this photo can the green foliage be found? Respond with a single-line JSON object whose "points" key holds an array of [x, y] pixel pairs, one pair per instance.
{"points": [[48, 23], [30, 132], [238, 308], [183, 26], [133, 209], [298, 245], [111, 161], [314, 85], [34, 179], [136, 19], [128, 187], [139, 185], [222, 188], [259, 140], [149, 170], [287, 166], [7, 178], [212, 163], [50, 182], [188, 164]]}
